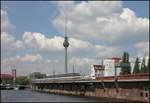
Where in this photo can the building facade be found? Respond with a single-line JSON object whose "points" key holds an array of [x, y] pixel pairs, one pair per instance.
{"points": [[109, 67], [112, 66], [99, 70]]}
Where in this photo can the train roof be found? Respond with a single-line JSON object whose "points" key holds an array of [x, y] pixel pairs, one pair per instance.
{"points": [[64, 75]]}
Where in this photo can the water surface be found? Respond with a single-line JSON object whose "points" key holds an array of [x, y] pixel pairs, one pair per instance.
{"points": [[32, 96]]}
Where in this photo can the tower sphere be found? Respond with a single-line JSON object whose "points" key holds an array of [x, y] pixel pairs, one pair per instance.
{"points": [[66, 43]]}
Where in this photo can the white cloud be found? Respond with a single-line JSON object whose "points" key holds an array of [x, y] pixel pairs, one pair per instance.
{"points": [[6, 25], [103, 20], [95, 29], [78, 45], [25, 58], [31, 58], [81, 65], [106, 51], [128, 14], [143, 48], [6, 38], [29, 63], [82, 61], [38, 40], [19, 44], [8, 42], [82, 17]]}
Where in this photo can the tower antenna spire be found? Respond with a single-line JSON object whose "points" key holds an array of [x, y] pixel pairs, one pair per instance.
{"points": [[66, 21]]}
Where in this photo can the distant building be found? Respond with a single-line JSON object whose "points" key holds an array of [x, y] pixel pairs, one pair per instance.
{"points": [[99, 70], [6, 79], [37, 75]]}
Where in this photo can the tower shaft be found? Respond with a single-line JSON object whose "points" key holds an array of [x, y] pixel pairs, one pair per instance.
{"points": [[66, 44], [66, 61]]}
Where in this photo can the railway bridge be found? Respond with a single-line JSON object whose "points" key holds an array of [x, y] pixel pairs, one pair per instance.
{"points": [[127, 87]]}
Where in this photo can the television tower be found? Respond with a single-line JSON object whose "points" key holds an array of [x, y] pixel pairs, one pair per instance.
{"points": [[66, 45]]}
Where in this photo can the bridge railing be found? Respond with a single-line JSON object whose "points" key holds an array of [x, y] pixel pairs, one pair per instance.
{"points": [[126, 77]]}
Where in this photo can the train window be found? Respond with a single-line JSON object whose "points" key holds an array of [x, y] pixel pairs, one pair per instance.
{"points": [[146, 88], [141, 94], [146, 95]]}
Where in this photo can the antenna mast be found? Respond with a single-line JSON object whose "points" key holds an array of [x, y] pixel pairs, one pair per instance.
{"points": [[66, 21], [73, 69], [66, 44]]}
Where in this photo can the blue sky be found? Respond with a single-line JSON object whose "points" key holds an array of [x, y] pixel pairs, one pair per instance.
{"points": [[32, 16], [140, 7], [38, 31]]}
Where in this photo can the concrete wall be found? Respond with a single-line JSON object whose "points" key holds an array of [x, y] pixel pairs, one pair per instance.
{"points": [[134, 94]]}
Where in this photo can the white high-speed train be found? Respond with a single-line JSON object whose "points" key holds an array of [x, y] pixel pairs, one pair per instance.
{"points": [[68, 77]]}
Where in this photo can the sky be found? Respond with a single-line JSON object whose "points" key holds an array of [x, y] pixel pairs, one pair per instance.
{"points": [[32, 34]]}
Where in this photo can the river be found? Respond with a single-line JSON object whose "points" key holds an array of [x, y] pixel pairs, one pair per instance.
{"points": [[32, 96]]}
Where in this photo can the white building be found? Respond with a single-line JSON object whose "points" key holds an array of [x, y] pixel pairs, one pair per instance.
{"points": [[107, 68], [110, 65]]}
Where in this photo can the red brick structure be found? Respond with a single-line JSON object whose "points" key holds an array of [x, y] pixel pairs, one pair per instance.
{"points": [[6, 78]]}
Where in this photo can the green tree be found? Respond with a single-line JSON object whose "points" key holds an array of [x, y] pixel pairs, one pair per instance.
{"points": [[22, 80], [147, 68], [143, 66], [125, 65], [136, 66]]}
